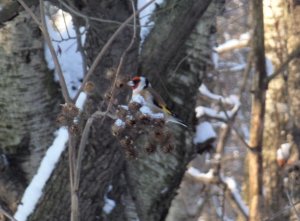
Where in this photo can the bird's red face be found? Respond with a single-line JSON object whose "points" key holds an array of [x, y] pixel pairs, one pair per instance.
{"points": [[134, 83]]}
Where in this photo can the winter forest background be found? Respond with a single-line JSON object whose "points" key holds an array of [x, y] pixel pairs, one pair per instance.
{"points": [[72, 147]]}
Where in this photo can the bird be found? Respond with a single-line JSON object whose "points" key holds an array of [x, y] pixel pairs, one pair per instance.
{"points": [[141, 87]]}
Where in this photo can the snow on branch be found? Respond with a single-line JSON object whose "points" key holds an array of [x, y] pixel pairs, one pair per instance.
{"points": [[232, 100], [34, 191], [211, 113], [204, 132], [231, 185], [202, 177], [228, 182], [232, 44]]}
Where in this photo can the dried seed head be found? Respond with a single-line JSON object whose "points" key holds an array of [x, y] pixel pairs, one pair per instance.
{"points": [[70, 110], [134, 106], [126, 142], [89, 87], [131, 153], [130, 122], [168, 148], [168, 135], [150, 148], [74, 129], [107, 95], [62, 120], [159, 122], [116, 130], [121, 113], [110, 73], [158, 135], [120, 82], [144, 119]]}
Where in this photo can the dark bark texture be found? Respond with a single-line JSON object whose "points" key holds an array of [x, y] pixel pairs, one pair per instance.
{"points": [[29, 102]]}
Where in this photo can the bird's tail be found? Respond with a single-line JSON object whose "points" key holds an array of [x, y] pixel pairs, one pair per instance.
{"points": [[176, 121]]}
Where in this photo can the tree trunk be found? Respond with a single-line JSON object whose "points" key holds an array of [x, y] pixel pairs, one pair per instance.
{"points": [[257, 115], [276, 117], [103, 161], [293, 25], [184, 206], [282, 106], [29, 102], [143, 188]]}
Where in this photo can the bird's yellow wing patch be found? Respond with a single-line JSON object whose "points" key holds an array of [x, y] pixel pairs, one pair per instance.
{"points": [[166, 110]]}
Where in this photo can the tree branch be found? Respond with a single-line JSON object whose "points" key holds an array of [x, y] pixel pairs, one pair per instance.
{"points": [[7, 214], [295, 53]]}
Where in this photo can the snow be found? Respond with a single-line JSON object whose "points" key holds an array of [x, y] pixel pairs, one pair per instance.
{"points": [[70, 58], [269, 67], [109, 204], [231, 100], [145, 17], [231, 184], [120, 123], [283, 153], [206, 111], [215, 59], [234, 43], [34, 191], [125, 107], [71, 63], [199, 175], [238, 67], [204, 131], [81, 100]]}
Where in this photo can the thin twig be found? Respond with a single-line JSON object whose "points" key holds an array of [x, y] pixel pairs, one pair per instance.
{"points": [[83, 143], [31, 13], [7, 214], [295, 53], [106, 46], [57, 65], [122, 59], [282, 211], [80, 47], [43, 28], [246, 74], [292, 204], [231, 196], [74, 192], [87, 18]]}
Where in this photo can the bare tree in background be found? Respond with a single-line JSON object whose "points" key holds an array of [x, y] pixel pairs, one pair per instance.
{"points": [[282, 109], [257, 115]]}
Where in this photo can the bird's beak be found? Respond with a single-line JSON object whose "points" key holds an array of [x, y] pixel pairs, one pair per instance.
{"points": [[130, 83]]}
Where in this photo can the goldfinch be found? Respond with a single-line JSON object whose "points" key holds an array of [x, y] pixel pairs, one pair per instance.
{"points": [[142, 88]]}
